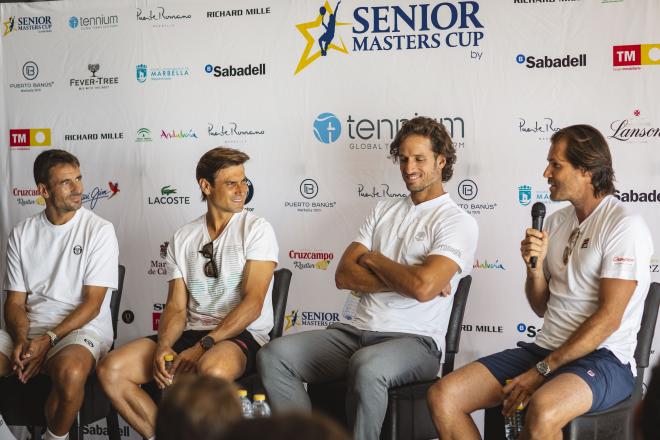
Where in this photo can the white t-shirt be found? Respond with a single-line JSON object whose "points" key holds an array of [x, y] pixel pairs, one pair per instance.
{"points": [[246, 237], [613, 243], [52, 263], [408, 233]]}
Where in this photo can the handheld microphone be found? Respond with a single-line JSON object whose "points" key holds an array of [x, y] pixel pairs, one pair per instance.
{"points": [[538, 214]]}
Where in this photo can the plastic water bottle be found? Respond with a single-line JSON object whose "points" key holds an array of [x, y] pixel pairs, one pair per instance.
{"points": [[513, 424], [169, 362], [246, 405], [351, 304], [260, 408]]}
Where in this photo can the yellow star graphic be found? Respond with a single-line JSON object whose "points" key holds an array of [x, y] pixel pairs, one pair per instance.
{"points": [[306, 59], [9, 25]]}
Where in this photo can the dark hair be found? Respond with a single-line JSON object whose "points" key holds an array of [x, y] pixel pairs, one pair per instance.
{"points": [[587, 149], [292, 426], [217, 159], [436, 132], [197, 408], [48, 159]]}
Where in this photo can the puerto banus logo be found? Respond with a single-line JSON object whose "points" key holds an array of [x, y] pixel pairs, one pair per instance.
{"points": [[320, 36]]}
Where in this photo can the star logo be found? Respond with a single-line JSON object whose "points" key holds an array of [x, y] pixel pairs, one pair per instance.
{"points": [[291, 319], [325, 41], [9, 25]]}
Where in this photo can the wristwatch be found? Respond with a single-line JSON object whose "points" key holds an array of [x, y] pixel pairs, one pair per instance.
{"points": [[207, 342], [543, 368], [54, 339]]}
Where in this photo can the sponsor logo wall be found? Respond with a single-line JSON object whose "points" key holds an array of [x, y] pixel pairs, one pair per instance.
{"points": [[314, 92]]}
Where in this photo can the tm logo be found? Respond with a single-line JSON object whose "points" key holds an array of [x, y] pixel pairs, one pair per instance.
{"points": [[327, 128]]}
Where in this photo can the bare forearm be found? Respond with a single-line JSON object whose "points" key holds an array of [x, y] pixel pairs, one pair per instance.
{"points": [[584, 340], [360, 279], [17, 322], [170, 326], [401, 278], [238, 319], [537, 292], [80, 316]]}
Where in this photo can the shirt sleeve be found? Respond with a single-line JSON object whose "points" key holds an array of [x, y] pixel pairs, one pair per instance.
{"points": [[103, 259], [627, 250], [456, 239], [173, 269], [366, 232], [261, 244], [14, 280]]}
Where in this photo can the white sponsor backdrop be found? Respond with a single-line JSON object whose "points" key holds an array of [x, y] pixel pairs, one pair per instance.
{"points": [[130, 88]]}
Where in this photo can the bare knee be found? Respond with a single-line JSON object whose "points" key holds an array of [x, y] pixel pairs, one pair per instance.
{"points": [[109, 371], [445, 396], [214, 370], [68, 378], [542, 417]]}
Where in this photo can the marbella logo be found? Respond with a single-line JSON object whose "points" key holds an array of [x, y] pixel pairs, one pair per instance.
{"points": [[526, 195], [168, 197], [304, 259], [319, 35], [547, 62], [142, 73], [94, 22], [637, 129], [308, 318], [143, 135], [95, 82], [632, 56], [23, 138], [97, 193], [40, 24]]}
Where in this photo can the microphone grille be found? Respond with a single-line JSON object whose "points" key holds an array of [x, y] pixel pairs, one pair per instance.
{"points": [[538, 209]]}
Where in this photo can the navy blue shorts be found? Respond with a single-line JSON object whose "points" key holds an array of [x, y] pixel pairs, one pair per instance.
{"points": [[244, 340], [610, 380]]}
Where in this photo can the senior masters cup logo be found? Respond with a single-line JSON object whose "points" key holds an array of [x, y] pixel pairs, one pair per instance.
{"points": [[320, 36]]}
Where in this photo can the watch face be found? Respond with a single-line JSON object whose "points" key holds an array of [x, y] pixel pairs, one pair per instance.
{"points": [[543, 368], [207, 342]]}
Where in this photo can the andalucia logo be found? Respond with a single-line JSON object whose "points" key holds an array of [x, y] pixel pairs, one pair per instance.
{"points": [[323, 27]]}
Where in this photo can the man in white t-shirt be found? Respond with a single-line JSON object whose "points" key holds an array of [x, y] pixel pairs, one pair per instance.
{"points": [[406, 263], [218, 311], [61, 263], [589, 284]]}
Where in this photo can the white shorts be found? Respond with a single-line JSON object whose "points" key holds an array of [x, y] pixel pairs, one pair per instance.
{"points": [[85, 338]]}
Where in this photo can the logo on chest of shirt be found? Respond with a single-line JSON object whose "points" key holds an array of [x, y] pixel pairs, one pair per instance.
{"points": [[585, 244], [77, 249], [420, 236]]}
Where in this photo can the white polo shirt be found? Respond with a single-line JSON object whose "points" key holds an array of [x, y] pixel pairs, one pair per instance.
{"points": [[52, 263], [613, 243], [246, 237], [408, 233]]}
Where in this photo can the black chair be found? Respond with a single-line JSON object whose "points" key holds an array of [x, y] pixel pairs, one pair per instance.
{"points": [[615, 423], [408, 416], [251, 382], [23, 404]]}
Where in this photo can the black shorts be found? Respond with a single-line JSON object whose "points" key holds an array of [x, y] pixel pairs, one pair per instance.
{"points": [[244, 340]]}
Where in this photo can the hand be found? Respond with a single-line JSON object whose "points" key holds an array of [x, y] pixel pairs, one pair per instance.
{"points": [[187, 359], [446, 291], [162, 377], [520, 390], [362, 260], [33, 357], [17, 364], [535, 244]]}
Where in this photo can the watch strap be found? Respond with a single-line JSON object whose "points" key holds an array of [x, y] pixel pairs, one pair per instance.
{"points": [[54, 339]]}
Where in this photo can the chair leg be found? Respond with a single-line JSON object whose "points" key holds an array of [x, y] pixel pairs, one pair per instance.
{"points": [[75, 431], [35, 432], [112, 422]]}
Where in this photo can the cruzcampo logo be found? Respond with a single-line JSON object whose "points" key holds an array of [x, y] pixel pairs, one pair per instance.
{"points": [[324, 24], [167, 190]]}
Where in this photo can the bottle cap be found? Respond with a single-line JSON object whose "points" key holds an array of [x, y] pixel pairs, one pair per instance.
{"points": [[168, 357], [242, 393], [259, 397]]}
